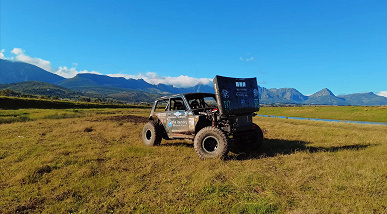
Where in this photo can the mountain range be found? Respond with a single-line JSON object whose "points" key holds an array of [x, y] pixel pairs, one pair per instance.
{"points": [[17, 76]]}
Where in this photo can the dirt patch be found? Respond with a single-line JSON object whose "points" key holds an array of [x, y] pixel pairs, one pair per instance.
{"points": [[88, 129], [128, 118]]}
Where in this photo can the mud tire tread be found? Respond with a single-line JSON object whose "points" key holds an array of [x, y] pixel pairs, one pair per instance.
{"points": [[151, 128], [223, 143]]}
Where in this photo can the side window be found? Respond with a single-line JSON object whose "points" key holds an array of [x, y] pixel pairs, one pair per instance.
{"points": [[195, 103], [177, 104], [210, 102], [161, 106]]}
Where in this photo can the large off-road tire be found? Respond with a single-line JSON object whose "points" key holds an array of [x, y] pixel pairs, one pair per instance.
{"points": [[256, 138], [151, 134], [211, 142], [253, 143]]}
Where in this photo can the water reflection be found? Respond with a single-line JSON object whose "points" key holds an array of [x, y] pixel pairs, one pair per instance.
{"points": [[326, 120]]}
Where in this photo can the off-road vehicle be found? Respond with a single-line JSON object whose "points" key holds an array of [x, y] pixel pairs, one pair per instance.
{"points": [[216, 122]]}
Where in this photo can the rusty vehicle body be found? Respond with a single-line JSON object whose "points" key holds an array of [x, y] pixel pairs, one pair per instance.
{"points": [[216, 122]]}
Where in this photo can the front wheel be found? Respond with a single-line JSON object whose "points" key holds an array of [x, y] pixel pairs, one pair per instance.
{"points": [[211, 142], [151, 134]]}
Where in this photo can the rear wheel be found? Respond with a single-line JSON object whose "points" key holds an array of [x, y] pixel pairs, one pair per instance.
{"points": [[211, 142], [256, 138], [251, 144], [151, 134]]}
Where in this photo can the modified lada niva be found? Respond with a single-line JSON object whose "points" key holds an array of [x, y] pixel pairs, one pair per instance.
{"points": [[217, 123]]}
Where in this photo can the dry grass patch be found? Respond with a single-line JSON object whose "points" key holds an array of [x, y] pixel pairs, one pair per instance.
{"points": [[97, 163]]}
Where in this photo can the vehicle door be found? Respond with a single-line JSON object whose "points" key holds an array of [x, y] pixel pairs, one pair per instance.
{"points": [[160, 110], [177, 117]]}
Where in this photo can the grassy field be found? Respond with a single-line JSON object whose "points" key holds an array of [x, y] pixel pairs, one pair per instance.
{"points": [[20, 102], [22, 115], [355, 113], [94, 161]]}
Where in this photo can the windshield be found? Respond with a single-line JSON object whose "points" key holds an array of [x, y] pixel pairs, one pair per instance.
{"points": [[201, 101]]}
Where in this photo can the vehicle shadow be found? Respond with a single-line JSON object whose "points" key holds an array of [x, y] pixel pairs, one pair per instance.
{"points": [[276, 147]]}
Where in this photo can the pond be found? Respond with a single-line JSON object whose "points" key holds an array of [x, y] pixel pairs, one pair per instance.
{"points": [[326, 120]]}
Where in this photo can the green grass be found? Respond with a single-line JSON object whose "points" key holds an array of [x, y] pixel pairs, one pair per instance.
{"points": [[97, 163], [13, 116], [22, 103], [354, 113], [22, 115]]}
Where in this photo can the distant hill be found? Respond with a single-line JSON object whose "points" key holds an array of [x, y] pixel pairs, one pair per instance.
{"points": [[369, 99], [198, 88], [133, 90], [89, 81], [42, 89], [325, 97], [12, 72], [94, 80], [123, 94], [282, 95], [129, 90]]}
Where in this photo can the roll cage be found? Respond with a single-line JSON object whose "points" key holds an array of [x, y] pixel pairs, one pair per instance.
{"points": [[193, 102]]}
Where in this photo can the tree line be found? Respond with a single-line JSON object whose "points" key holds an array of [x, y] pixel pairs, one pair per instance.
{"points": [[12, 93]]}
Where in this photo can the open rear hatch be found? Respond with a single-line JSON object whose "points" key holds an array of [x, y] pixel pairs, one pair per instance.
{"points": [[236, 96]]}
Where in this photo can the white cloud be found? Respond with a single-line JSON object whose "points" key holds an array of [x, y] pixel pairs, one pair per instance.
{"points": [[89, 72], [20, 56], [383, 93], [63, 71], [247, 59], [66, 72], [126, 76], [72, 72], [1, 54], [181, 81], [17, 51]]}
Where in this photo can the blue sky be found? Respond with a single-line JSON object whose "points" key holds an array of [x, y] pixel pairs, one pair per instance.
{"points": [[307, 45]]}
